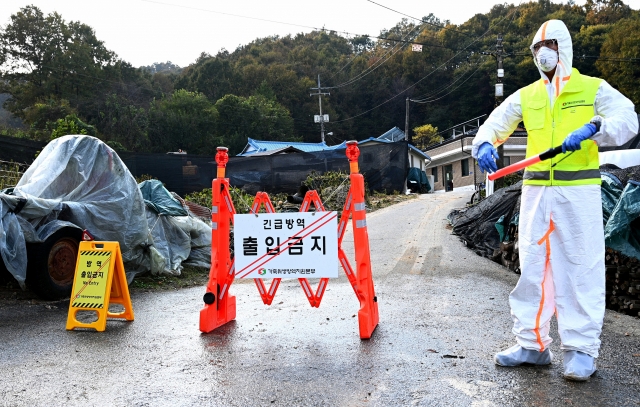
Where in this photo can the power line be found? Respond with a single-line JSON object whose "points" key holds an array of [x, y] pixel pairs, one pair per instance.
{"points": [[441, 65], [419, 19], [425, 100], [372, 68], [229, 14], [278, 22], [426, 76], [440, 89], [375, 66], [607, 58], [584, 57]]}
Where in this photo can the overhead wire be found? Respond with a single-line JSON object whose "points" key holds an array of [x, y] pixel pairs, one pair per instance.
{"points": [[441, 88], [425, 100], [423, 21], [376, 65], [347, 33], [297, 25], [583, 57], [419, 19], [426, 76], [513, 12], [136, 86], [392, 40]]}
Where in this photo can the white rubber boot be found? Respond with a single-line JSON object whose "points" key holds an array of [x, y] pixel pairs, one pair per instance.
{"points": [[578, 366], [517, 355]]}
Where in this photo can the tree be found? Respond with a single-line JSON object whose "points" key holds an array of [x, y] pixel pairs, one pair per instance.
{"points": [[166, 67], [587, 45], [623, 41], [52, 68], [426, 135], [124, 123], [256, 117], [43, 57], [71, 124], [185, 120], [42, 117], [606, 11]]}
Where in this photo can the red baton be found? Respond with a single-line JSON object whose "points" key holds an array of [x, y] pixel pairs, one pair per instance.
{"points": [[510, 169]]}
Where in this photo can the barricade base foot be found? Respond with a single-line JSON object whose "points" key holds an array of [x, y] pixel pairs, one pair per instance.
{"points": [[368, 321], [212, 318]]}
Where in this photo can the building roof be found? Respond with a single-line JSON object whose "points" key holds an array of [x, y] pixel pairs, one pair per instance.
{"points": [[471, 133], [381, 140], [255, 147], [273, 147], [395, 134], [276, 151]]}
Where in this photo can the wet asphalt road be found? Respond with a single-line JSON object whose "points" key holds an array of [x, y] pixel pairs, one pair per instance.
{"points": [[443, 314]]}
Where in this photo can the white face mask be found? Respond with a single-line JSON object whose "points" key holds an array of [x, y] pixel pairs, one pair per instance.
{"points": [[547, 59]]}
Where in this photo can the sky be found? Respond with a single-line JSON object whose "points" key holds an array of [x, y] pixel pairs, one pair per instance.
{"points": [[146, 31]]}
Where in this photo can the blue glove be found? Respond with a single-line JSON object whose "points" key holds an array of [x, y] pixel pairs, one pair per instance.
{"points": [[573, 140], [486, 157]]}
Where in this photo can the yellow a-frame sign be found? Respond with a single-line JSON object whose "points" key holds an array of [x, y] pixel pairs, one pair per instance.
{"points": [[99, 282]]}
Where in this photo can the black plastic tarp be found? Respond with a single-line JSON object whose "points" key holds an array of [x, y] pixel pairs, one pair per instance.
{"points": [[476, 225]]}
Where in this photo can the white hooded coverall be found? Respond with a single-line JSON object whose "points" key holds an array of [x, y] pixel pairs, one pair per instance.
{"points": [[561, 237]]}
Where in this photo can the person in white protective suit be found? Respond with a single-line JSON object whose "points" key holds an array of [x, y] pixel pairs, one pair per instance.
{"points": [[561, 238]]}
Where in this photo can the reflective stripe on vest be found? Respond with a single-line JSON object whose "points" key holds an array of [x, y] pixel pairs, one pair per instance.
{"points": [[562, 175], [572, 109]]}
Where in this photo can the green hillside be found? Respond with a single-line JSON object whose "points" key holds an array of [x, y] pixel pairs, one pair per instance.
{"points": [[261, 90]]}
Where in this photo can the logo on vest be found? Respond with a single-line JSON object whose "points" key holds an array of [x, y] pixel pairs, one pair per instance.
{"points": [[575, 102]]}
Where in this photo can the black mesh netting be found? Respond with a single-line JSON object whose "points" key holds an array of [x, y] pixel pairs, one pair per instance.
{"points": [[384, 167], [180, 173], [476, 225]]}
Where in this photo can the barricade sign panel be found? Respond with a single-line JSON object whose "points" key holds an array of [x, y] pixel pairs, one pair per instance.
{"points": [[286, 245], [99, 281], [298, 245]]}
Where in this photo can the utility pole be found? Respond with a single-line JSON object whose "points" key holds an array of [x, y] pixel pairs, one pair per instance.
{"points": [[406, 121], [320, 118], [499, 54], [499, 91]]}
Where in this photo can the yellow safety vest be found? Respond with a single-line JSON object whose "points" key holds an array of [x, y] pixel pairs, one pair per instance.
{"points": [[572, 109]]}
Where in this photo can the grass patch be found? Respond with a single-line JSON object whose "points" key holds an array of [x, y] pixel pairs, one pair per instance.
{"points": [[190, 277]]}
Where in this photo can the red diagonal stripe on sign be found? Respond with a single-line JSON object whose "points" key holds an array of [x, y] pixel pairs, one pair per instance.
{"points": [[332, 216], [86, 285]]}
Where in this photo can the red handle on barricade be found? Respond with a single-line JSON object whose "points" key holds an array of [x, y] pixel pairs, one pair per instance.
{"points": [[510, 169]]}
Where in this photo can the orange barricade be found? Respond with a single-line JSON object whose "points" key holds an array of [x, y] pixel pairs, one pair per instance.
{"points": [[220, 306]]}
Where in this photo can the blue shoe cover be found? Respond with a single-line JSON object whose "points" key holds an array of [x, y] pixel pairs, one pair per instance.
{"points": [[517, 355], [578, 366]]}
